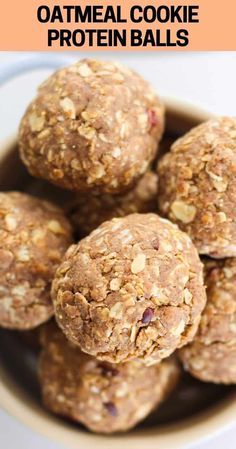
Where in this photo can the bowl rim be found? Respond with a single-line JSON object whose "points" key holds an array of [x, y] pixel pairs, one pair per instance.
{"points": [[172, 436]]}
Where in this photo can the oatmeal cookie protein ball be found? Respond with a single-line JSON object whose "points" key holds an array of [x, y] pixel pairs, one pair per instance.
{"points": [[93, 125], [104, 397], [211, 357], [34, 235], [132, 289], [197, 186], [89, 211]]}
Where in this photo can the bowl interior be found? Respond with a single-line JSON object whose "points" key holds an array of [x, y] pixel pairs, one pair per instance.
{"points": [[18, 358], [190, 398]]}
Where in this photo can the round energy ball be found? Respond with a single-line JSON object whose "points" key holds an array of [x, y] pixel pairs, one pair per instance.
{"points": [[34, 235], [132, 289], [211, 356], [93, 125], [106, 398], [87, 212], [197, 186]]}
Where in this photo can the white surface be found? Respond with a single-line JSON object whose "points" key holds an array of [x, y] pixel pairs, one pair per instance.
{"points": [[204, 79], [15, 436]]}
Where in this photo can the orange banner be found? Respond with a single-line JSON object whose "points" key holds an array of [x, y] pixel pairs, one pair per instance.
{"points": [[117, 25]]}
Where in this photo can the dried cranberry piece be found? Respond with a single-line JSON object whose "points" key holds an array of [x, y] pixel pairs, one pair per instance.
{"points": [[108, 370], [156, 244], [147, 315], [153, 119], [111, 408]]}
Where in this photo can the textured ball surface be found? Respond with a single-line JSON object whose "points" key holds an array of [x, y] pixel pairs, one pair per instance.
{"points": [[211, 356], [87, 212], [132, 289], [106, 398], [197, 186], [34, 235], [93, 126]]}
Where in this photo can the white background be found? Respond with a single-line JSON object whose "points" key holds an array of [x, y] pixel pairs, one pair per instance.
{"points": [[207, 80]]}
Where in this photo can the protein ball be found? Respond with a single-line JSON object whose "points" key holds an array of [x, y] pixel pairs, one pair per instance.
{"points": [[34, 235], [105, 397], [89, 211], [132, 289], [197, 188], [93, 125], [211, 357]]}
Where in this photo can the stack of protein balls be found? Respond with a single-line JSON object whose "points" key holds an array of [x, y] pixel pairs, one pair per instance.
{"points": [[131, 291]]}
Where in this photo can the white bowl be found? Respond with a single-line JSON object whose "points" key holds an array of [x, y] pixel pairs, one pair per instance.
{"points": [[18, 387]]}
